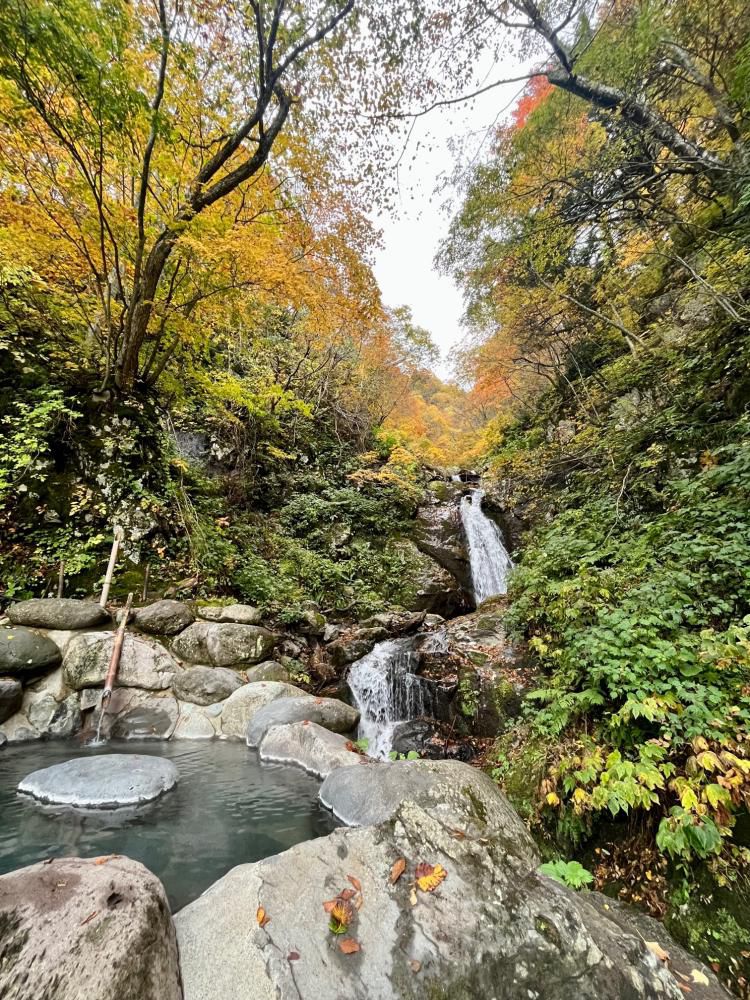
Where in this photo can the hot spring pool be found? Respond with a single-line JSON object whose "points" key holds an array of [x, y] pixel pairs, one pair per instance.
{"points": [[227, 809]]}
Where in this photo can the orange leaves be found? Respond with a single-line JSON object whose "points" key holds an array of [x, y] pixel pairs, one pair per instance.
{"points": [[342, 910], [341, 913], [428, 877], [397, 870], [349, 946], [355, 882], [262, 917]]}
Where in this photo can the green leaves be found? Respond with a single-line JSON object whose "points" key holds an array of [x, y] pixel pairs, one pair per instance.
{"points": [[570, 873]]}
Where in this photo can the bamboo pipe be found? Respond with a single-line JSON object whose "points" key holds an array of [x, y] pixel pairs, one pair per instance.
{"points": [[119, 535], [114, 660]]}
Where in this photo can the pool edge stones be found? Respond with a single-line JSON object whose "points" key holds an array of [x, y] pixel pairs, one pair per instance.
{"points": [[106, 781]]}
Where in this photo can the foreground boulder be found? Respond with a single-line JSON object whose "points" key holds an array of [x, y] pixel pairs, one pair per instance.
{"points": [[309, 746], [107, 781], [24, 652], [143, 664], [224, 644], [63, 613], [75, 928], [492, 928], [163, 617], [330, 713], [205, 685]]}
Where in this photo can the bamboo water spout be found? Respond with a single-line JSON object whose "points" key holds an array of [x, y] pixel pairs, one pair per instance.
{"points": [[114, 663]]}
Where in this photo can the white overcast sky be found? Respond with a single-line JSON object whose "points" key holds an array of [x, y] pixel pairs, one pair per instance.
{"points": [[412, 233]]}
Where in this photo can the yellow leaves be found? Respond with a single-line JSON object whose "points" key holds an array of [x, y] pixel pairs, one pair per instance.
{"points": [[262, 917], [552, 799], [428, 877]]}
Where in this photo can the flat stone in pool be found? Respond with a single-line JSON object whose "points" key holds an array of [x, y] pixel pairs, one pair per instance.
{"points": [[106, 781]]}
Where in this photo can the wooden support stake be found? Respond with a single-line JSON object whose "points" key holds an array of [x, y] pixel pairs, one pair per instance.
{"points": [[119, 535], [61, 580], [146, 575]]}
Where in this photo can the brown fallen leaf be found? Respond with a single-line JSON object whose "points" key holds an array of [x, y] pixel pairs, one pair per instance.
{"points": [[89, 917], [656, 949], [342, 915], [293, 956], [397, 870], [262, 917], [355, 882], [329, 905], [429, 877], [684, 988], [347, 894], [349, 946], [415, 965]]}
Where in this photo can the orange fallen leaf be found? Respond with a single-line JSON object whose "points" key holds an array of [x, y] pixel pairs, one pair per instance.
{"points": [[397, 870], [262, 917], [656, 949], [341, 913], [347, 894], [355, 882], [429, 877], [318, 701], [349, 946], [103, 859]]}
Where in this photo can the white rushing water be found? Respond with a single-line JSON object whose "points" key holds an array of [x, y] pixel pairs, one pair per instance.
{"points": [[490, 562], [387, 691]]}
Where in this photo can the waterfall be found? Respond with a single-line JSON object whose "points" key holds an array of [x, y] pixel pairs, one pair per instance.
{"points": [[490, 562], [387, 691]]}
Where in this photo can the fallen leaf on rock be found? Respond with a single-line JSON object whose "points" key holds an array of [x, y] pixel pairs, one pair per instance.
{"points": [[305, 722], [341, 913], [103, 859], [458, 834], [349, 946], [347, 894], [293, 956], [429, 876], [397, 870], [656, 949], [89, 917], [415, 965], [413, 897], [262, 917], [699, 977], [684, 988], [318, 701], [355, 882]]}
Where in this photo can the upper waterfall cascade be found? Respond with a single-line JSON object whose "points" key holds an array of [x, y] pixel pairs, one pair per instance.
{"points": [[489, 559]]}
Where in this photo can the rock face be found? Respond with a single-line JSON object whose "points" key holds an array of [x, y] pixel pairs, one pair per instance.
{"points": [[11, 694], [24, 652], [163, 618], [106, 781], [331, 714], [241, 707], [494, 928], [205, 685], [309, 746], [143, 664], [238, 614], [73, 928], [139, 715], [61, 613], [223, 644], [271, 670]]}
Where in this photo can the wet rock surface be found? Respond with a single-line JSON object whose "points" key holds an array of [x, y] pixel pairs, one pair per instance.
{"points": [[106, 781], [74, 928], [309, 746], [61, 613], [11, 695], [24, 652], [329, 713]]}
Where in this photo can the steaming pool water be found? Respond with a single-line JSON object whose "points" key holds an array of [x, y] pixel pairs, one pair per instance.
{"points": [[227, 809]]}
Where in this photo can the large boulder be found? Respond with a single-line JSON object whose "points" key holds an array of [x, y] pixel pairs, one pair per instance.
{"points": [[11, 694], [163, 617], [24, 652], [271, 670], [493, 928], [63, 613], [198, 722], [307, 745], [74, 928], [238, 614], [330, 713], [224, 644], [205, 685], [355, 645], [107, 781], [140, 715], [143, 664], [242, 705]]}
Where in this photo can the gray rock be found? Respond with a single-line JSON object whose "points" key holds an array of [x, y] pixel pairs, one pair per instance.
{"points": [[312, 622], [308, 745], [143, 664], [331, 632], [268, 671], [11, 695], [330, 713], [73, 928], [241, 706], [344, 651], [18, 729], [492, 930], [66, 719], [163, 617], [106, 781], [58, 613], [205, 685], [24, 652], [3, 740], [145, 717], [195, 723], [224, 644], [238, 614]]}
